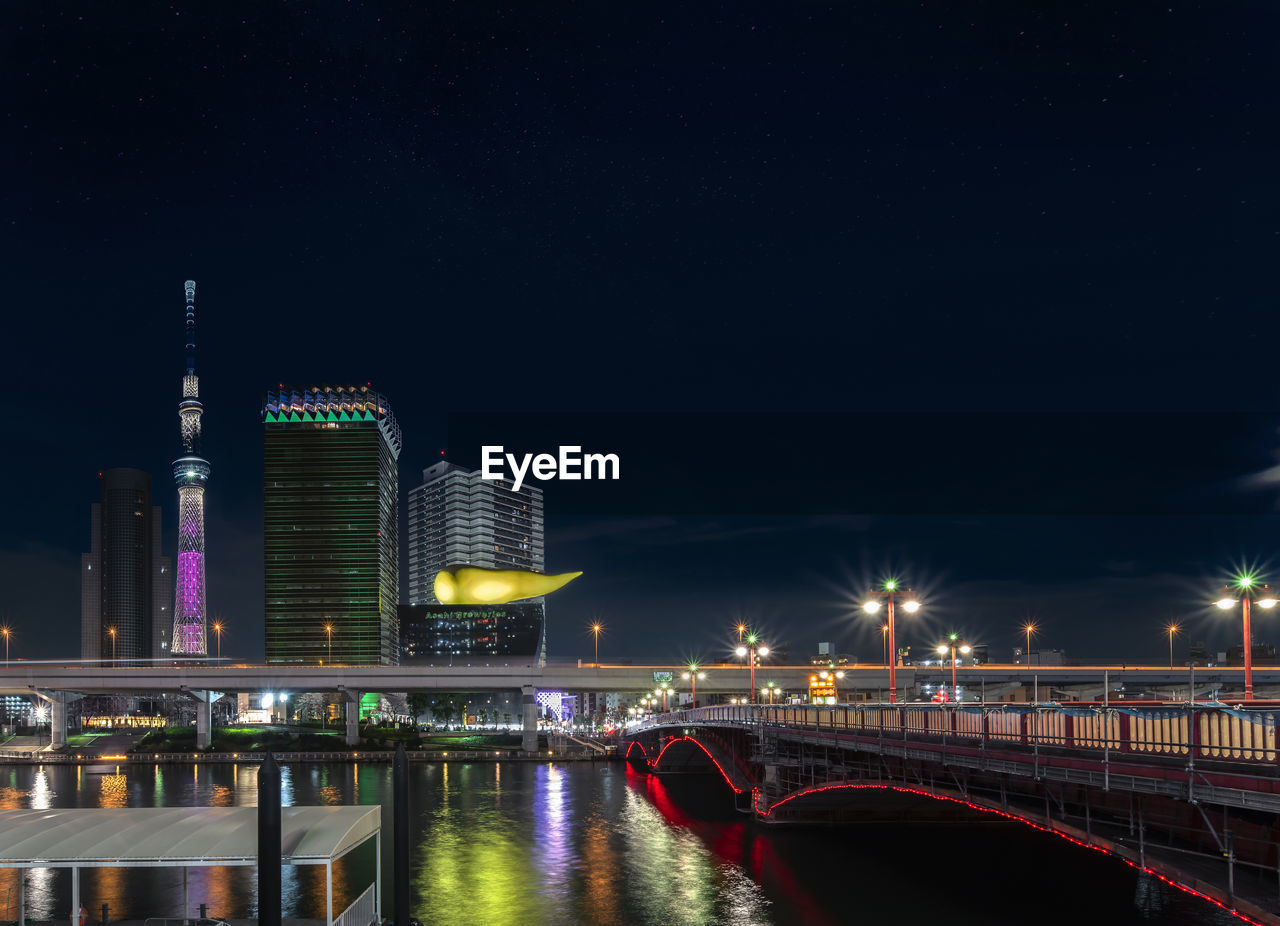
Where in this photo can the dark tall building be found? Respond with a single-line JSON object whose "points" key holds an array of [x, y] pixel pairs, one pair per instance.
{"points": [[493, 634], [125, 584], [331, 526]]}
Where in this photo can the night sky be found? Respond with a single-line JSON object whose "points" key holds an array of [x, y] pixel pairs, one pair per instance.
{"points": [[881, 209]]}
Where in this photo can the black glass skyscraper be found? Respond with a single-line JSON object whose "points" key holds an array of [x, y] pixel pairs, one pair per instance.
{"points": [[331, 526], [125, 584]]}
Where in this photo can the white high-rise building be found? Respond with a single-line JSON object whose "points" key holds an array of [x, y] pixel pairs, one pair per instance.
{"points": [[456, 518]]}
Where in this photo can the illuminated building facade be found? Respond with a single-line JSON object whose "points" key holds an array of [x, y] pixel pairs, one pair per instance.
{"points": [[456, 518], [331, 526], [125, 582], [191, 473], [478, 634]]}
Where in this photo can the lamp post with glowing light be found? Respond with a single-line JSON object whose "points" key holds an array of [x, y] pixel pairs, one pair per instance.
{"points": [[693, 675], [328, 629], [595, 631], [1029, 628], [942, 651], [1246, 588], [217, 631], [769, 688], [754, 649], [888, 592], [1171, 630], [112, 632], [5, 631]]}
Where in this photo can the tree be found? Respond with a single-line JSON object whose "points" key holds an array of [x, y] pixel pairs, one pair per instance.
{"points": [[419, 704]]}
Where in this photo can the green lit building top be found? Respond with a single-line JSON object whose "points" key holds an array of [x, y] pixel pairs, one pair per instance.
{"points": [[331, 526]]}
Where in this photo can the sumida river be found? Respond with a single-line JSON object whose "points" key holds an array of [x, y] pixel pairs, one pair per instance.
{"points": [[533, 843]]}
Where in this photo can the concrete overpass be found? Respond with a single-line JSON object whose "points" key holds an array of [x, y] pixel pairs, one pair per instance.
{"points": [[205, 682]]}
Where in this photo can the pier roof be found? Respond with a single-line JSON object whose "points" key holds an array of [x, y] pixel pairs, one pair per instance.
{"points": [[127, 837]]}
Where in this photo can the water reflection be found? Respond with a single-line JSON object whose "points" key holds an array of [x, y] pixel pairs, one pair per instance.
{"points": [[569, 843]]}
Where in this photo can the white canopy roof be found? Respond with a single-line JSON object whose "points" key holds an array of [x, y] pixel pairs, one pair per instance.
{"points": [[94, 837]]}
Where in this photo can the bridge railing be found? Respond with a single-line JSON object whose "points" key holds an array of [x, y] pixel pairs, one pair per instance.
{"points": [[1203, 730]]}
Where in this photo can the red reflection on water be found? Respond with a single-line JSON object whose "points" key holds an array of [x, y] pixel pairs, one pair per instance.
{"points": [[736, 843]]}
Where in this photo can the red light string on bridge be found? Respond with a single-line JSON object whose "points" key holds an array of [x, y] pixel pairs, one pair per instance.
{"points": [[670, 743], [1036, 826]]}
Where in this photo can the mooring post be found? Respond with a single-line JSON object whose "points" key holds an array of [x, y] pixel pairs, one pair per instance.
{"points": [[400, 834], [269, 843]]}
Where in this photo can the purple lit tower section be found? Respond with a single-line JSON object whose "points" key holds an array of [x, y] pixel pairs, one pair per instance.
{"points": [[191, 473]]}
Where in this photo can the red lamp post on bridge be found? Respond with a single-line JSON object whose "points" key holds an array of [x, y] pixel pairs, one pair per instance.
{"points": [[693, 675], [942, 651], [1246, 589], [888, 593], [754, 649]]}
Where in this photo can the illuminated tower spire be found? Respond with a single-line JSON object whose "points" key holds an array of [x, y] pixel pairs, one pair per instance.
{"points": [[191, 473]]}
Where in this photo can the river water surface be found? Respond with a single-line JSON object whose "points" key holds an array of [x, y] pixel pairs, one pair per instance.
{"points": [[532, 843]]}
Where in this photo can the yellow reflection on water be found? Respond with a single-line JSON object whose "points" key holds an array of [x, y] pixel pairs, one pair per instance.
{"points": [[478, 870], [115, 791]]}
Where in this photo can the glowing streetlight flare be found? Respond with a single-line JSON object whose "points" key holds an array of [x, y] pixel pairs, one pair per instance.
{"points": [[595, 630], [1247, 585], [889, 592]]}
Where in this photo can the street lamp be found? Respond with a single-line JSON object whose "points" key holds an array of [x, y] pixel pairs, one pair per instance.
{"points": [[754, 649], [890, 591], [769, 688], [112, 632], [328, 629], [742, 628], [942, 651], [217, 630], [693, 675], [1171, 630], [1029, 628], [595, 630], [884, 642], [5, 631], [1247, 589]]}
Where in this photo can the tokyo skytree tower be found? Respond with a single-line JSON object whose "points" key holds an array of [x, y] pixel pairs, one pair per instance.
{"points": [[190, 472]]}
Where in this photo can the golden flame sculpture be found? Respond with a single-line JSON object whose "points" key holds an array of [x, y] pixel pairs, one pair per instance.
{"points": [[477, 585]]}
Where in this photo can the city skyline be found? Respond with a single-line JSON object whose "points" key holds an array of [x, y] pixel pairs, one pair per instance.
{"points": [[822, 210]]}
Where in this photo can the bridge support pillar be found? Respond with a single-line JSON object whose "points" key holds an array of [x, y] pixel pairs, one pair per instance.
{"points": [[204, 716], [529, 704], [58, 701], [353, 716]]}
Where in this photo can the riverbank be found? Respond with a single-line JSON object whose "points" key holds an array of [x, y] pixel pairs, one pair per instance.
{"points": [[355, 756]]}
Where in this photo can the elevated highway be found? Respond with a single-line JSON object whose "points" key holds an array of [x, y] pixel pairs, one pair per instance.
{"points": [[204, 682]]}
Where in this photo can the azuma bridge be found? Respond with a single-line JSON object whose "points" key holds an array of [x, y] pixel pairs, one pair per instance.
{"points": [[1189, 791]]}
